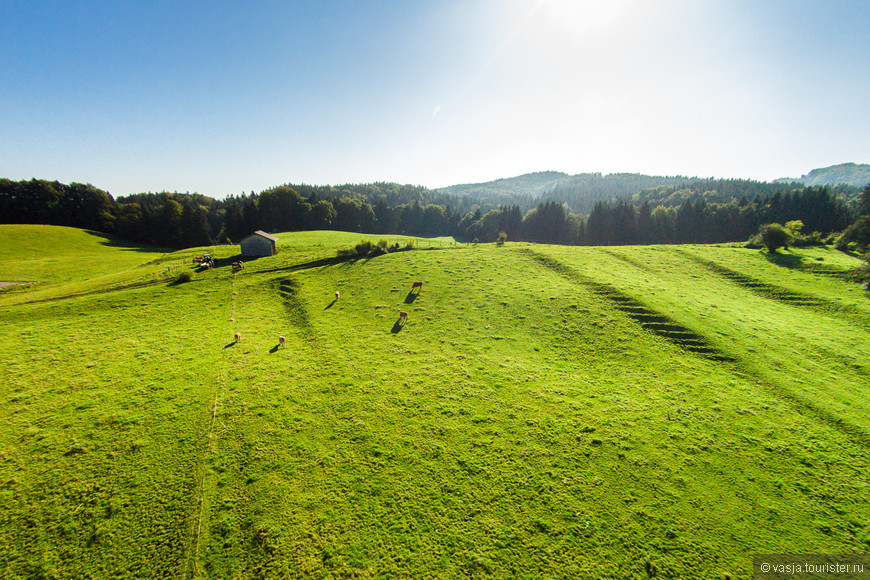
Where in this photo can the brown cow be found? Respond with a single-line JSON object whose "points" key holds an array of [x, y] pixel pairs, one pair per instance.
{"points": [[416, 285], [238, 336], [403, 315], [281, 340]]}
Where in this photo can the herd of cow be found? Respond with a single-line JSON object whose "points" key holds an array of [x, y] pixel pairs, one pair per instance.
{"points": [[403, 316]]}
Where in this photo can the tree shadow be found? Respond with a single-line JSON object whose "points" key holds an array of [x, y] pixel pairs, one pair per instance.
{"points": [[849, 252], [275, 348], [409, 299], [790, 261], [331, 304], [398, 326], [128, 245], [230, 345]]}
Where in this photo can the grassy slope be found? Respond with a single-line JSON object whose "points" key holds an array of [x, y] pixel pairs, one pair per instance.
{"points": [[518, 424], [60, 254]]}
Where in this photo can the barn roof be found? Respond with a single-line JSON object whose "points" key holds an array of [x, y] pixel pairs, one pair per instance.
{"points": [[262, 234]]}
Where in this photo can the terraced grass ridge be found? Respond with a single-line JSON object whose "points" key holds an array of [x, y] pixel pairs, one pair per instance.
{"points": [[543, 412]]}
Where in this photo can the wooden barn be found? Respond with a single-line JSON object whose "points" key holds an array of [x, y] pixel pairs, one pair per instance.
{"points": [[259, 244]]}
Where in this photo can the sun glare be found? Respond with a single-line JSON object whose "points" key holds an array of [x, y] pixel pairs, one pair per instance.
{"points": [[583, 18]]}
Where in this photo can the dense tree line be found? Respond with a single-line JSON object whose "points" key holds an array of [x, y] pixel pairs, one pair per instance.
{"points": [[858, 233], [703, 222], [650, 217], [50, 202]]}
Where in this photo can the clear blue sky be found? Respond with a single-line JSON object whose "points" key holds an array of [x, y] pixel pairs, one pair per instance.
{"points": [[226, 97]]}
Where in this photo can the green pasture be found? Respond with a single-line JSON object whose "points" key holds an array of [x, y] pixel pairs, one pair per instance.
{"points": [[527, 420]]}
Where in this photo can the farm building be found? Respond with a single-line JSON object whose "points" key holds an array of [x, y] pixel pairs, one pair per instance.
{"points": [[259, 244]]}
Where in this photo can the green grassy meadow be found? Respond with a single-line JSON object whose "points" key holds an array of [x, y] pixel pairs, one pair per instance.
{"points": [[544, 412]]}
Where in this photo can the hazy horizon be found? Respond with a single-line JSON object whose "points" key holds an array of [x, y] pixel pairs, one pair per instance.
{"points": [[222, 99]]}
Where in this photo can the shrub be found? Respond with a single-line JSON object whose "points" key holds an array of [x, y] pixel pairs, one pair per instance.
{"points": [[774, 236], [502, 238], [184, 277], [794, 227], [858, 233], [813, 239], [363, 249]]}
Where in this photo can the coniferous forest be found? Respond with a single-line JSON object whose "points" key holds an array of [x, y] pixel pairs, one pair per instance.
{"points": [[607, 211]]}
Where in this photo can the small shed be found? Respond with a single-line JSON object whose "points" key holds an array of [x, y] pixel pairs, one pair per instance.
{"points": [[259, 244]]}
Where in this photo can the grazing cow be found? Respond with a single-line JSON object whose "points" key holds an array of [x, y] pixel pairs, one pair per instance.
{"points": [[336, 294], [281, 340], [403, 315], [238, 336], [416, 285], [238, 266]]}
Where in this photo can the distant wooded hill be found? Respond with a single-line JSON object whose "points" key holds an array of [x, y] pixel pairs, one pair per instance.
{"points": [[855, 174], [583, 191], [553, 207]]}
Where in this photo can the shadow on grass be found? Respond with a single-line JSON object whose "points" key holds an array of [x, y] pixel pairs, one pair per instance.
{"points": [[275, 348], [409, 299], [849, 252], [790, 261], [398, 326], [232, 344], [331, 304], [114, 242]]}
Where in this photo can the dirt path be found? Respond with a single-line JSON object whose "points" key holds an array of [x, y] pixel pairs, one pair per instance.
{"points": [[6, 284]]}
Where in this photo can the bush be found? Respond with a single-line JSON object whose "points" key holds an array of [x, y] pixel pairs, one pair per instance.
{"points": [[794, 227], [183, 278], [858, 233], [813, 239], [363, 249], [368, 249], [773, 237], [502, 238]]}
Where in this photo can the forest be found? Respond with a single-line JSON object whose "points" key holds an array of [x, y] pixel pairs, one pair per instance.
{"points": [[690, 211]]}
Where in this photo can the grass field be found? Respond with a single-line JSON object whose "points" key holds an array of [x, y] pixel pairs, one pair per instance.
{"points": [[544, 412]]}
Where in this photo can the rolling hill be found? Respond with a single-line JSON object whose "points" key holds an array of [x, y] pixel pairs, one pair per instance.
{"points": [[582, 191], [545, 411], [855, 174]]}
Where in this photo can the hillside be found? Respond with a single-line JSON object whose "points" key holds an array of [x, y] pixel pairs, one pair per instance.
{"points": [[522, 189], [545, 411], [854, 174], [39, 254], [579, 191], [583, 191]]}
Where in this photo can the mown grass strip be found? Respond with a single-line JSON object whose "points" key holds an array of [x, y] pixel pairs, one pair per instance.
{"points": [[687, 339], [778, 293], [649, 319]]}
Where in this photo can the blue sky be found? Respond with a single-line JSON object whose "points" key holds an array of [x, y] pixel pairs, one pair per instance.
{"points": [[228, 97]]}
